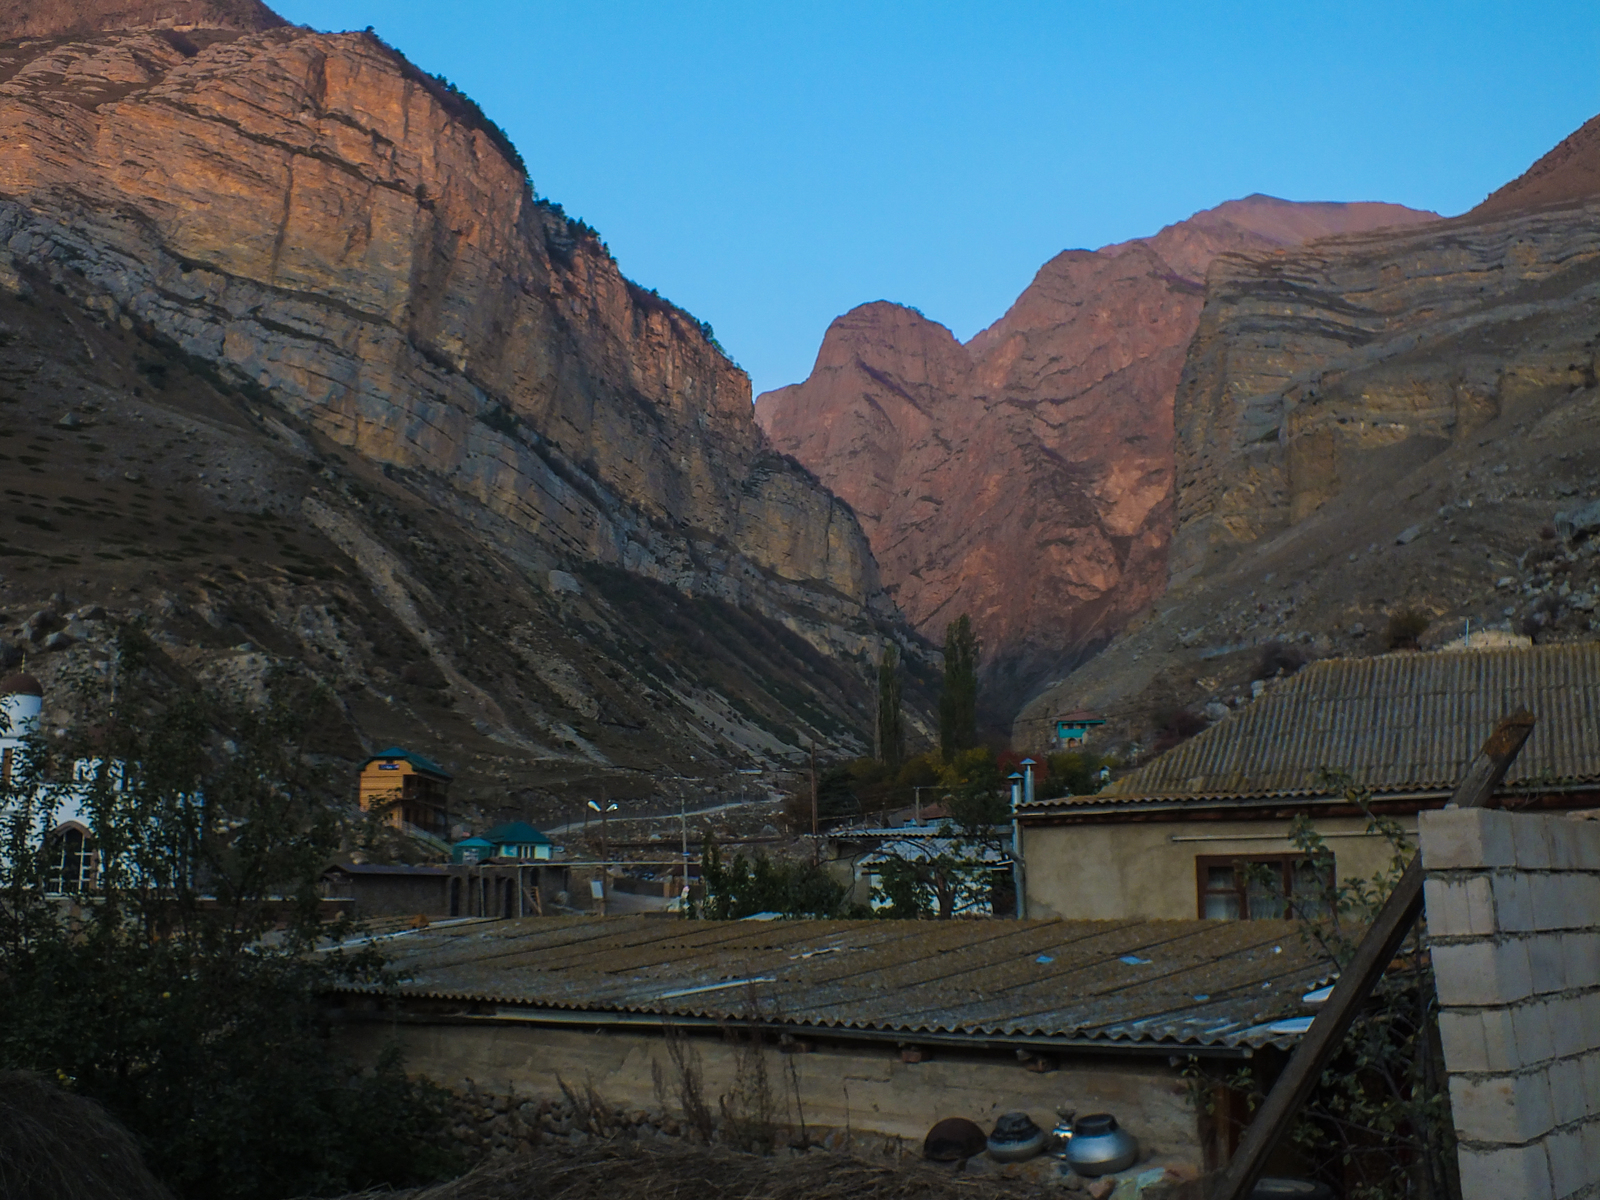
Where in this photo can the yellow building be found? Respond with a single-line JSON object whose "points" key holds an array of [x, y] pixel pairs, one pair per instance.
{"points": [[409, 790]]}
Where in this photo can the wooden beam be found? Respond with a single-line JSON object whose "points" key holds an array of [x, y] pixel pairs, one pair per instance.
{"points": [[1361, 975]]}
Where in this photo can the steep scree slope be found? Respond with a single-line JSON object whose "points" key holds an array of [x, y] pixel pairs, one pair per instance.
{"points": [[1379, 422], [341, 258], [1026, 477]]}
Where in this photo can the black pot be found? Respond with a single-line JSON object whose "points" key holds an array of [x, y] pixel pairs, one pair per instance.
{"points": [[953, 1139]]}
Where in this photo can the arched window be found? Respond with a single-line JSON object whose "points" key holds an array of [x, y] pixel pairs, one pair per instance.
{"points": [[72, 868]]}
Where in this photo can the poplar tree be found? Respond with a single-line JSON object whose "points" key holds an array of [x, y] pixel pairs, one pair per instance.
{"points": [[958, 703], [891, 726]]}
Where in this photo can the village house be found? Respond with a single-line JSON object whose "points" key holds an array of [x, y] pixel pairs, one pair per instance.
{"points": [[408, 790], [1072, 731], [519, 841], [1178, 837]]}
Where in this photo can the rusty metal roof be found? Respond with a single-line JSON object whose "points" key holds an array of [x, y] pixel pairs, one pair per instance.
{"points": [[1128, 984], [1398, 723]]}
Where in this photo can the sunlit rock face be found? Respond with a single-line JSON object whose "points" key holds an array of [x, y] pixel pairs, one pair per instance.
{"points": [[309, 212], [1345, 365], [1026, 477], [311, 223]]}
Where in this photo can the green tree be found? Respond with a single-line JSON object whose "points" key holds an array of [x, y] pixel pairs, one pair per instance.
{"points": [[958, 703], [957, 870], [742, 887], [179, 981], [891, 723]]}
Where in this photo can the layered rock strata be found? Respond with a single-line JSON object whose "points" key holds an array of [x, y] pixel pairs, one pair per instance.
{"points": [[1026, 477], [1404, 421], [306, 212], [533, 528], [1347, 364]]}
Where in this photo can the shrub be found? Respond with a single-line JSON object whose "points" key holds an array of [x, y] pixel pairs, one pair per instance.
{"points": [[1404, 628], [1276, 658], [158, 993], [1176, 726], [742, 887]]}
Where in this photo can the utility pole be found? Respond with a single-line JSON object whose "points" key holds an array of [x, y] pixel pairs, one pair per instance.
{"points": [[816, 849], [813, 787]]}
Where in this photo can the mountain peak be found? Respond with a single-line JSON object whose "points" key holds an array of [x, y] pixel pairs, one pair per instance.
{"points": [[1569, 172]]}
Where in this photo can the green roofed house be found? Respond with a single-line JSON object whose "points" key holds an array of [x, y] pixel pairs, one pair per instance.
{"points": [[518, 840]]}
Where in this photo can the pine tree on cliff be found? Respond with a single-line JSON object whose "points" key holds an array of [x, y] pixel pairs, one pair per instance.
{"points": [[958, 705], [891, 726]]}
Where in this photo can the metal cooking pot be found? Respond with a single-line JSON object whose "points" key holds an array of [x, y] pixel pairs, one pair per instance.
{"points": [[1015, 1138], [1100, 1146]]}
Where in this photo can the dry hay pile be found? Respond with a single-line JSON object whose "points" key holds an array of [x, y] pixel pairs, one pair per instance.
{"points": [[57, 1146], [680, 1171]]}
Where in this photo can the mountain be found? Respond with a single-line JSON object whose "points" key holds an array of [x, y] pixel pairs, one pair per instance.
{"points": [[1397, 421], [300, 369], [1026, 477]]}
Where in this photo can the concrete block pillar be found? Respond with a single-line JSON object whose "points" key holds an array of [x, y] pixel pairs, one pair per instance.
{"points": [[1513, 913]]}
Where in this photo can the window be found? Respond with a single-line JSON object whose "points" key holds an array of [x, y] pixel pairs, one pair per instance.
{"points": [[75, 865], [1261, 887]]}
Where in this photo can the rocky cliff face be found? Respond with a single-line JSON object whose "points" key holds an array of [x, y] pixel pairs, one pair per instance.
{"points": [[1348, 364], [349, 250], [1026, 477], [1376, 423]]}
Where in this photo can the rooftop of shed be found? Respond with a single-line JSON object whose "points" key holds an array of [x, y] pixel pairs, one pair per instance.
{"points": [[1112, 984]]}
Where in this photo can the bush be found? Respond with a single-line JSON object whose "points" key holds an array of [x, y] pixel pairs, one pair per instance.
{"points": [[1071, 773], [1176, 726], [158, 992], [1404, 628], [1276, 659], [742, 887]]}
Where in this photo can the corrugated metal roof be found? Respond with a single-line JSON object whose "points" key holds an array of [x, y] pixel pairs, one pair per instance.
{"points": [[1396, 723], [1195, 983]]}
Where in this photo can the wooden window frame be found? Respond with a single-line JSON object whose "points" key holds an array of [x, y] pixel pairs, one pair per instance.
{"points": [[1284, 861]]}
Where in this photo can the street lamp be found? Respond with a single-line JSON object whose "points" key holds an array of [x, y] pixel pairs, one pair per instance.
{"points": [[605, 812]]}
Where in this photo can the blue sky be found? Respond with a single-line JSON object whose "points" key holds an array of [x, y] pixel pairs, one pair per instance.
{"points": [[768, 166]]}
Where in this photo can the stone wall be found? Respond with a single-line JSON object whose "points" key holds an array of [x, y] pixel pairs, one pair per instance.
{"points": [[1513, 910], [879, 1093]]}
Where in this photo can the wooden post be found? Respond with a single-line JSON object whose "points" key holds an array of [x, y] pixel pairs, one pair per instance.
{"points": [[813, 787], [1356, 981]]}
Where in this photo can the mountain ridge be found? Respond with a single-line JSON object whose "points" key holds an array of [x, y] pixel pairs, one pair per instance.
{"points": [[1373, 426], [1025, 477], [353, 287]]}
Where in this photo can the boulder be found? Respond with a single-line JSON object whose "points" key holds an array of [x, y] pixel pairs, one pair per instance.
{"points": [[1579, 522]]}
